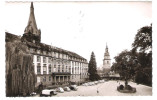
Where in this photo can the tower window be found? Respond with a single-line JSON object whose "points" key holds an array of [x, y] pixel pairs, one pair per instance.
{"points": [[107, 62]]}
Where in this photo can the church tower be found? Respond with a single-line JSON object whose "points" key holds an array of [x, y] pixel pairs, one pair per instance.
{"points": [[31, 32], [106, 61]]}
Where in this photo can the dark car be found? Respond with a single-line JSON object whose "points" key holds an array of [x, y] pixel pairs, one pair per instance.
{"points": [[73, 87]]}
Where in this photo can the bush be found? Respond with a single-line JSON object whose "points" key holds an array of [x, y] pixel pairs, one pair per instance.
{"points": [[121, 87], [128, 87]]}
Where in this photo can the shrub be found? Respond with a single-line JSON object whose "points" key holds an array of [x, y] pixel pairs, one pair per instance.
{"points": [[128, 87], [121, 87]]}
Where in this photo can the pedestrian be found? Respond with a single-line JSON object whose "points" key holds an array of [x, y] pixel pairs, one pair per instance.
{"points": [[97, 91]]}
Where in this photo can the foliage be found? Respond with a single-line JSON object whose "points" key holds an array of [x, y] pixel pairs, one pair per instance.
{"points": [[143, 42], [137, 63], [124, 64], [92, 68], [121, 87], [20, 76], [143, 39]]}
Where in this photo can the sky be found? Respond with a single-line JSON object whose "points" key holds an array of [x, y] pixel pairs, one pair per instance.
{"points": [[82, 27]]}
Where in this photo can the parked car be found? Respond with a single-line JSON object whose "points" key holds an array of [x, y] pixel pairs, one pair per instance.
{"points": [[66, 89], [59, 89], [73, 87], [92, 83], [48, 92], [101, 81], [95, 82], [33, 93], [85, 84], [89, 83]]}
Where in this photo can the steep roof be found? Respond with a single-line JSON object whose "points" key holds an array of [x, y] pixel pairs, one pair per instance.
{"points": [[31, 25]]}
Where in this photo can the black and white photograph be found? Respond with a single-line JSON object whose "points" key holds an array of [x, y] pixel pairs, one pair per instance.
{"points": [[78, 49]]}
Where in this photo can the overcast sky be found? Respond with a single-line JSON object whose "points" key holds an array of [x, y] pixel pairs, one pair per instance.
{"points": [[83, 27]]}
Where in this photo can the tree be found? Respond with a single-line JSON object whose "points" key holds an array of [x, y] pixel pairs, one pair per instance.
{"points": [[20, 76], [142, 46], [137, 63], [143, 39], [124, 64], [92, 68]]}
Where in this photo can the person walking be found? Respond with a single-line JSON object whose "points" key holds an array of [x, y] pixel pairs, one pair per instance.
{"points": [[97, 90]]}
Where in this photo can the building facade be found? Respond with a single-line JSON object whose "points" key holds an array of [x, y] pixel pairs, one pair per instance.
{"points": [[52, 65], [106, 61]]}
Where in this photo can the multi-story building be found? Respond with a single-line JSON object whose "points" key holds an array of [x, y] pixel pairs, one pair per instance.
{"points": [[52, 65]]}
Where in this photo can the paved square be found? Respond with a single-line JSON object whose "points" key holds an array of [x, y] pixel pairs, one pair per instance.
{"points": [[108, 88]]}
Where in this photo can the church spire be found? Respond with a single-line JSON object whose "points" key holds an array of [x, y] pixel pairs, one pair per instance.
{"points": [[106, 45], [32, 5], [32, 26], [106, 51], [31, 32]]}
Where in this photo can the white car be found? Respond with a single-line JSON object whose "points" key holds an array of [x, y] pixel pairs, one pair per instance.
{"points": [[85, 84], [101, 81], [59, 89], [66, 89], [48, 92], [90, 83], [96, 82]]}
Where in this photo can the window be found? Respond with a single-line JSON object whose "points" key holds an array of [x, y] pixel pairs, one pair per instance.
{"points": [[49, 69], [44, 52], [58, 68], [69, 69], [66, 68], [44, 79], [54, 66], [63, 68], [38, 69], [66, 57], [75, 69], [62, 56], [72, 70], [49, 78], [38, 58], [58, 55], [38, 51], [44, 59], [107, 62], [49, 60], [54, 54], [44, 69]]}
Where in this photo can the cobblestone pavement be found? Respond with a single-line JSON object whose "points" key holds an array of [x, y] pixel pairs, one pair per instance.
{"points": [[108, 88]]}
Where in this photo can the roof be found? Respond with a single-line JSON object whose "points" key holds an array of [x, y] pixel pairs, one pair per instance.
{"points": [[49, 48], [11, 37]]}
